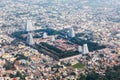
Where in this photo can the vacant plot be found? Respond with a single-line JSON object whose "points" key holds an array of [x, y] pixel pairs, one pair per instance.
{"points": [[79, 65]]}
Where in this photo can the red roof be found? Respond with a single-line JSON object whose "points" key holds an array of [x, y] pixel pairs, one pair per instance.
{"points": [[14, 79]]}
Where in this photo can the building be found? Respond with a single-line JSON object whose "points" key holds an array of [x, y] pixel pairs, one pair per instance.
{"points": [[30, 40], [1, 33], [2, 51], [53, 38], [85, 49], [45, 35], [71, 32], [118, 36], [79, 49], [29, 26]]}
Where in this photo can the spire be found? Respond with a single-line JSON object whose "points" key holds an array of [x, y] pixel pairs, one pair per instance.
{"points": [[53, 38], [44, 35], [71, 32], [29, 26], [30, 40], [79, 49], [85, 49]]}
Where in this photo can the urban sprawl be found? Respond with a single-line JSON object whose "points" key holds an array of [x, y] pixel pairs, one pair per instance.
{"points": [[59, 39]]}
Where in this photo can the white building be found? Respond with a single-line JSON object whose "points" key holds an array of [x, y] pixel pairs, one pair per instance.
{"points": [[29, 26], [71, 32], [85, 49], [53, 38], [2, 51], [45, 35], [79, 48], [30, 40], [118, 36], [1, 33]]}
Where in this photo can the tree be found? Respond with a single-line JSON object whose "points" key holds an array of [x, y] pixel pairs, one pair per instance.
{"points": [[9, 66], [82, 77], [73, 73], [110, 74], [101, 55]]}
